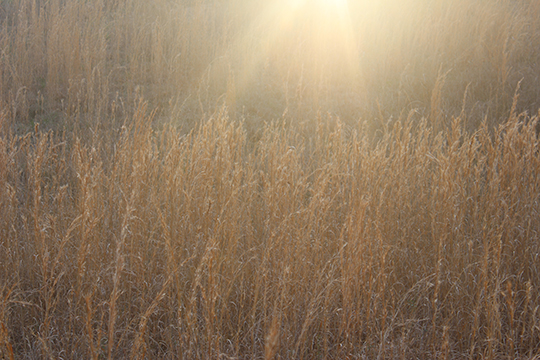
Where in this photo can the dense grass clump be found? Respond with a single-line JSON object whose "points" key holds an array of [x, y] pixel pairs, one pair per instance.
{"points": [[423, 245], [179, 181]]}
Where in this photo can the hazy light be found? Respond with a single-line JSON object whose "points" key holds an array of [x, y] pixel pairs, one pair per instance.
{"points": [[311, 41], [338, 5]]}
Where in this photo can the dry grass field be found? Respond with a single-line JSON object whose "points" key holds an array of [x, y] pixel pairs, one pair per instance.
{"points": [[186, 179]]}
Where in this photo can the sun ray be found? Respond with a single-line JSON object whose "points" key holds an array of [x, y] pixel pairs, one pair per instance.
{"points": [[301, 38]]}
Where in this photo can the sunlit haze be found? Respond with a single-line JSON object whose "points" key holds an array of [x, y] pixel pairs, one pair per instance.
{"points": [[311, 41]]}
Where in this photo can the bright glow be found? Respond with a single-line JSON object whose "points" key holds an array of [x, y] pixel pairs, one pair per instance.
{"points": [[338, 5], [305, 41]]}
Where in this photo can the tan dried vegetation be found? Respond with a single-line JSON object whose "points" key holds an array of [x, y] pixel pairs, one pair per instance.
{"points": [[235, 180]]}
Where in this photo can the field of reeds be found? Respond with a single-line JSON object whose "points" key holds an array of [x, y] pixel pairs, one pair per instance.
{"points": [[269, 180]]}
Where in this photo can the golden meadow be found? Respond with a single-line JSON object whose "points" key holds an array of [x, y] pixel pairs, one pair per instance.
{"points": [[269, 179]]}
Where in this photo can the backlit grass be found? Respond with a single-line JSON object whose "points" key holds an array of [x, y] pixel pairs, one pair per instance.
{"points": [[209, 180]]}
